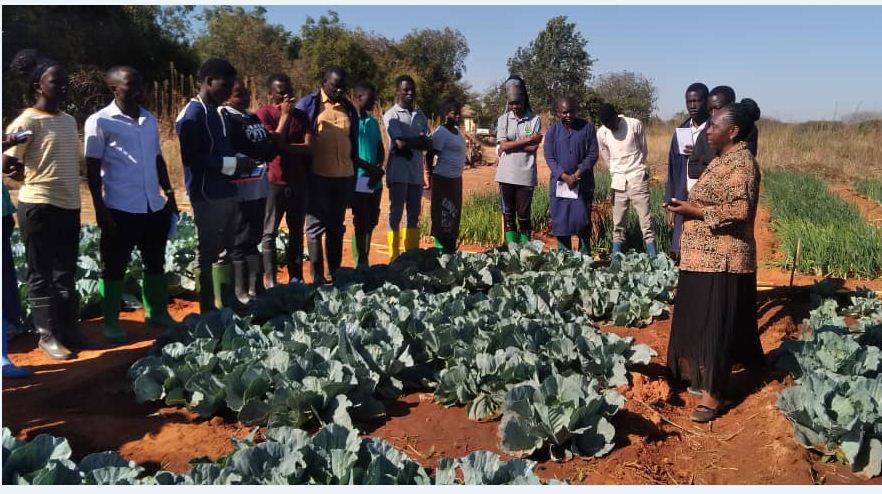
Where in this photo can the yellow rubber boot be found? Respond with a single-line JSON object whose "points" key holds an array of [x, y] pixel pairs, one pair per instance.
{"points": [[411, 238], [394, 245]]}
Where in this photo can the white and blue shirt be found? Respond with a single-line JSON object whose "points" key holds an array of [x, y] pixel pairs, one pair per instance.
{"points": [[128, 150]]}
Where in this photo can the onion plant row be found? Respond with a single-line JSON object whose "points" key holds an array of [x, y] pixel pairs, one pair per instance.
{"points": [[871, 189], [836, 239]]}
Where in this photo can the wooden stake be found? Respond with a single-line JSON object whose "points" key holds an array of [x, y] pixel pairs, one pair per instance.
{"points": [[796, 259]]}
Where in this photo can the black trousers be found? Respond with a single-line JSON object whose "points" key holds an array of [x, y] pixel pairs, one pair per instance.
{"points": [[446, 210], [290, 202], [146, 231], [249, 228], [516, 204], [51, 236], [325, 215], [366, 211]]}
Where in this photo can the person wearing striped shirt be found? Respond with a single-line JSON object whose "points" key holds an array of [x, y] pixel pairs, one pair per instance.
{"points": [[49, 204]]}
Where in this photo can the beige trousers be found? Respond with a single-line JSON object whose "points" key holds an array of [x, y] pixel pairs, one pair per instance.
{"points": [[636, 194]]}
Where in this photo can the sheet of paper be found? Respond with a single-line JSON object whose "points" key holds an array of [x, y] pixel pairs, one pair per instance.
{"points": [[361, 185], [618, 182], [564, 192], [684, 138]]}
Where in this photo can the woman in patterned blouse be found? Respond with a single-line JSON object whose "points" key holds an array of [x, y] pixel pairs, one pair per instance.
{"points": [[714, 322]]}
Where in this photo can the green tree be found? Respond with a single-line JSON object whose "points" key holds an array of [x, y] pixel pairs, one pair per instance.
{"points": [[437, 57], [630, 92], [327, 41], [88, 39], [173, 21], [554, 64], [244, 37], [490, 104]]}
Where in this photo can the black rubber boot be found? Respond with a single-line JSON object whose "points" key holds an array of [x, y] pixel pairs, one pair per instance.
{"points": [[269, 267], [316, 263], [295, 268], [206, 291], [255, 276], [43, 315], [335, 255], [68, 310], [240, 282]]}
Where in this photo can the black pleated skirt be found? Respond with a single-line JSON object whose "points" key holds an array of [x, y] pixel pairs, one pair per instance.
{"points": [[714, 327]]}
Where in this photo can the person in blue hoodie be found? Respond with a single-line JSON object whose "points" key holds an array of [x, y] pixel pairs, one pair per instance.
{"points": [[678, 183], [210, 166]]}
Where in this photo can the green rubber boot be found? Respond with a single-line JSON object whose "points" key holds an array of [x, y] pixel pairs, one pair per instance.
{"points": [[222, 285], [111, 299], [154, 294], [355, 257], [511, 237], [524, 237]]}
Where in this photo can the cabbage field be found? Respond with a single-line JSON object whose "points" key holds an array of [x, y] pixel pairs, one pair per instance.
{"points": [[335, 455], [512, 336], [836, 404]]}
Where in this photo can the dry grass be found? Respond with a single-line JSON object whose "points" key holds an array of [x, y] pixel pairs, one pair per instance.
{"points": [[836, 151]]}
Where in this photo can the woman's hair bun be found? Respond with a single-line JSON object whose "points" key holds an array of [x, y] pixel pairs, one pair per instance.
{"points": [[30, 64], [753, 110]]}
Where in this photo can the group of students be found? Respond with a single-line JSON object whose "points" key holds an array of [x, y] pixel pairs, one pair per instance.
{"points": [[571, 148], [311, 159]]}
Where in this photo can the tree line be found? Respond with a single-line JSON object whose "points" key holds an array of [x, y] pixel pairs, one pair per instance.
{"points": [[154, 38]]}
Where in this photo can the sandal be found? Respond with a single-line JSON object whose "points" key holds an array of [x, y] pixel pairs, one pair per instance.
{"points": [[703, 413]]}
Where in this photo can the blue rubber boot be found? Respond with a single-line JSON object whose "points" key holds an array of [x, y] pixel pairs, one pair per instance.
{"points": [[10, 370], [651, 251], [616, 248]]}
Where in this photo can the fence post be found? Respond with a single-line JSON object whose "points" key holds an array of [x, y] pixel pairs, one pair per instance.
{"points": [[796, 259]]}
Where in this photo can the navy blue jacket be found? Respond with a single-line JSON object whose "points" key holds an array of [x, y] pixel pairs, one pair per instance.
{"points": [[676, 184], [310, 105], [206, 152]]}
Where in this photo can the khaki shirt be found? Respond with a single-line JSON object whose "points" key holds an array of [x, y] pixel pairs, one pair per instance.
{"points": [[332, 156]]}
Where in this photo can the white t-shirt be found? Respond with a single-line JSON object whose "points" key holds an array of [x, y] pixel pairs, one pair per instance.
{"points": [[451, 150]]}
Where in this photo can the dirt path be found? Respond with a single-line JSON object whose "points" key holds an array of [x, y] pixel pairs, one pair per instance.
{"points": [[870, 209]]}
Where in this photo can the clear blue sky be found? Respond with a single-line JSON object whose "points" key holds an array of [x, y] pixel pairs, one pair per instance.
{"points": [[798, 62]]}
